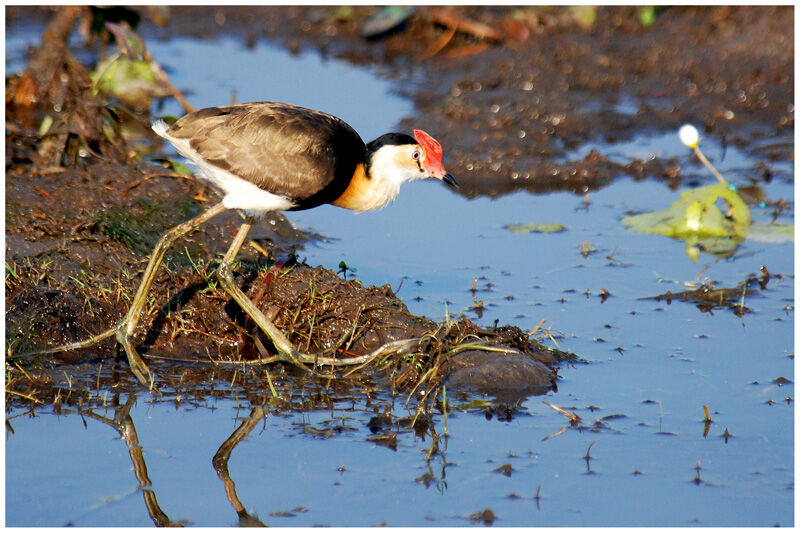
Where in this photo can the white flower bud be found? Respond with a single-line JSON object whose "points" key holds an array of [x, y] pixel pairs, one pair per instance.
{"points": [[689, 135]]}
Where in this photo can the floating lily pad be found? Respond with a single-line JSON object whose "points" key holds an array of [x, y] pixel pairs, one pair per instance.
{"points": [[552, 227], [697, 219], [696, 214]]}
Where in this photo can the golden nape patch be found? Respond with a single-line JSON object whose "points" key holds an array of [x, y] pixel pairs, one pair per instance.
{"points": [[358, 195]]}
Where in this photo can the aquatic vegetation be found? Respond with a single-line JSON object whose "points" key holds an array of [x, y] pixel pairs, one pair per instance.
{"points": [[697, 218]]}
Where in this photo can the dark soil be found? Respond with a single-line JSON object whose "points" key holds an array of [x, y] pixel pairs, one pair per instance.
{"points": [[508, 105]]}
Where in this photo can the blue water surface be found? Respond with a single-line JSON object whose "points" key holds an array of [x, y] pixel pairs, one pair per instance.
{"points": [[652, 363]]}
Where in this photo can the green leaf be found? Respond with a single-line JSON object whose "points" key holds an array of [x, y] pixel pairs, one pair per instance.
{"points": [[345, 267], [552, 227], [180, 168], [647, 15], [131, 81]]}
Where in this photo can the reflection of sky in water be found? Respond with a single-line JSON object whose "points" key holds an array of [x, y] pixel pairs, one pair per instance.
{"points": [[672, 355], [667, 144]]}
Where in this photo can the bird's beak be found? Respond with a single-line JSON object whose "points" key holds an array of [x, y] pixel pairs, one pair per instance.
{"points": [[450, 180]]}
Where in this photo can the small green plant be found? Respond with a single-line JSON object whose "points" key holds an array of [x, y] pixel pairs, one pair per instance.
{"points": [[11, 272], [647, 15], [344, 268]]}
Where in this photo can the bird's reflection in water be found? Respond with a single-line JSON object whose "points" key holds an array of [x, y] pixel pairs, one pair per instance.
{"points": [[220, 463], [123, 423]]}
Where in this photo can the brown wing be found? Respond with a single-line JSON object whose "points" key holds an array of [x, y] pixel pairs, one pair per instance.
{"points": [[305, 155]]}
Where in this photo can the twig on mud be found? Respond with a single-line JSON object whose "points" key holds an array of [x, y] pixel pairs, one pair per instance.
{"points": [[478, 346], [355, 326], [467, 50], [154, 175], [162, 77], [550, 336], [43, 192], [31, 398], [258, 248], [75, 345], [23, 371]]}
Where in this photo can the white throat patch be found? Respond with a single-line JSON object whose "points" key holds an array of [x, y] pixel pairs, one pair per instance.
{"points": [[387, 174]]}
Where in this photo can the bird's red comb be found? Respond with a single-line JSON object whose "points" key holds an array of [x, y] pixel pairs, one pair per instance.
{"points": [[433, 149]]}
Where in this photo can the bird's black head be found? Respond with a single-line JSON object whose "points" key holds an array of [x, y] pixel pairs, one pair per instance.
{"points": [[393, 139]]}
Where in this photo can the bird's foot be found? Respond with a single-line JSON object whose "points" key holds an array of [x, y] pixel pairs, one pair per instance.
{"points": [[287, 351], [138, 367]]}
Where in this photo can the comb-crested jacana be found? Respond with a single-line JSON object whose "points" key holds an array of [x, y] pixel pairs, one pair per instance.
{"points": [[269, 156]]}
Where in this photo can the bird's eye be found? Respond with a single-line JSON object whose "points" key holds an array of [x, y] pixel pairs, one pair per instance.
{"points": [[415, 155]]}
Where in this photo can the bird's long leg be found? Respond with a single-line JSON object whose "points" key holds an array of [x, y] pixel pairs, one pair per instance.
{"points": [[285, 348], [127, 327]]}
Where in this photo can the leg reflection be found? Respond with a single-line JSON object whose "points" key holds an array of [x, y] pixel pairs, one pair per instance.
{"points": [[220, 463], [123, 423]]}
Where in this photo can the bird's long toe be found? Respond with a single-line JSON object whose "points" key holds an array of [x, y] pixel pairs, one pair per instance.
{"points": [[138, 367], [287, 351]]}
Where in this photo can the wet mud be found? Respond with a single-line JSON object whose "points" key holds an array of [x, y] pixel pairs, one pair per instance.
{"points": [[513, 91], [708, 297]]}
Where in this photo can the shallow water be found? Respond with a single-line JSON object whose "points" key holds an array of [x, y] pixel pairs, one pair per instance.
{"points": [[654, 364]]}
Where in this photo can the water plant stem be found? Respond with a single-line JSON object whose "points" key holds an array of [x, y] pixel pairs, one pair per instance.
{"points": [[708, 164]]}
